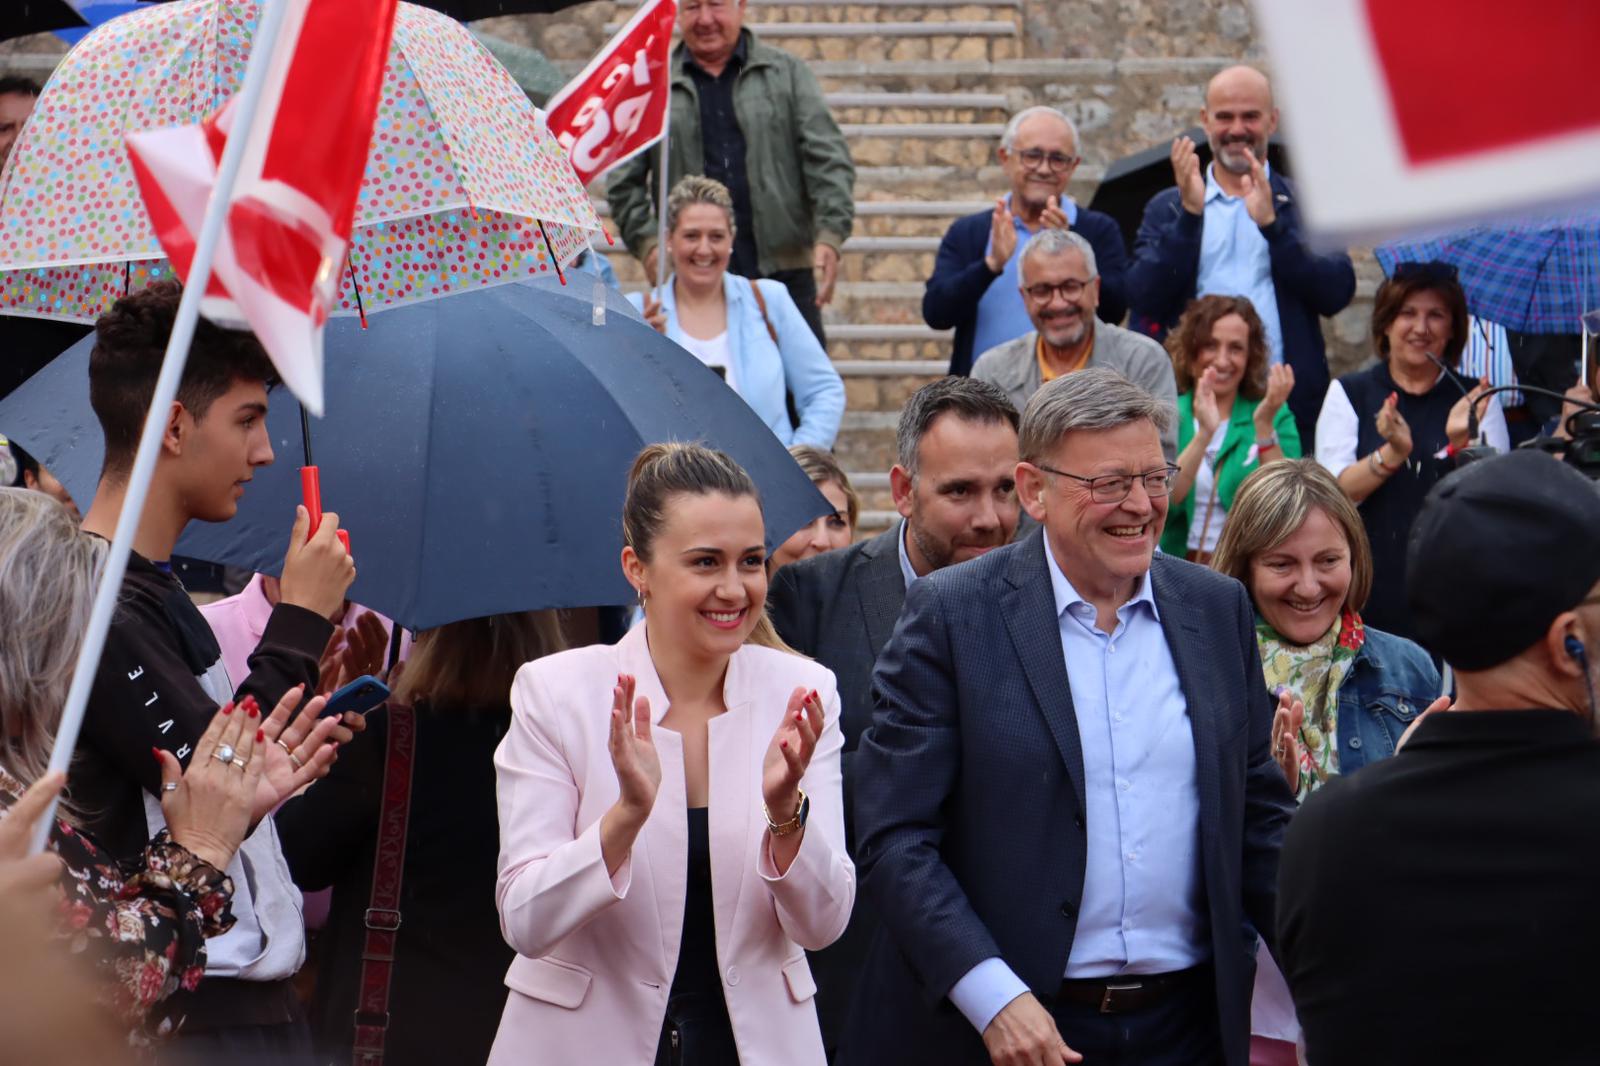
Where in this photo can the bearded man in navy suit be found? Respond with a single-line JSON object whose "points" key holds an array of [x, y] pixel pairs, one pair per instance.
{"points": [[1066, 811]]}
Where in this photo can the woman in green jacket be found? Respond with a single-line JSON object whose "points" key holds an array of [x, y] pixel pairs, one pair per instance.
{"points": [[1231, 417]]}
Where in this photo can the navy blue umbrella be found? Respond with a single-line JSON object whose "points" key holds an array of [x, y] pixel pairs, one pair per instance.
{"points": [[476, 447]]}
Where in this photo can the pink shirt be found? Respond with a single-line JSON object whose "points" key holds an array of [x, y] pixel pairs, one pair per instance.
{"points": [[238, 622]]}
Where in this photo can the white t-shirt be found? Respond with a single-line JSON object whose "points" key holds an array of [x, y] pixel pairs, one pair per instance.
{"points": [[714, 353], [1338, 427], [1207, 516]]}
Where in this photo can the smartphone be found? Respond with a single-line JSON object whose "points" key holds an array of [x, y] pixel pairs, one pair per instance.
{"points": [[359, 696]]}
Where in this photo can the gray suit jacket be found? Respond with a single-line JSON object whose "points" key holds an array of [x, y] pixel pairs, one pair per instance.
{"points": [[1014, 368]]}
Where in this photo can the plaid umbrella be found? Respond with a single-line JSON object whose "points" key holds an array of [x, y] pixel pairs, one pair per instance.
{"points": [[1530, 277], [464, 187]]}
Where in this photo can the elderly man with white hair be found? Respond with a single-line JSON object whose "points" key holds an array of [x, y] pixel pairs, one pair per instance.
{"points": [[974, 284], [1061, 290]]}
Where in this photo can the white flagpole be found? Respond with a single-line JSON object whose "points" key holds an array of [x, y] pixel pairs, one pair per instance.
{"points": [[664, 189], [267, 33]]}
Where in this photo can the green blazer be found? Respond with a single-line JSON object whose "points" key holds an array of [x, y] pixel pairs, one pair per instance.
{"points": [[1231, 468]]}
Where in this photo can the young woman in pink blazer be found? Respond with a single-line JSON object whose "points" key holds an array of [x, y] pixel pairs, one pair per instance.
{"points": [[671, 819]]}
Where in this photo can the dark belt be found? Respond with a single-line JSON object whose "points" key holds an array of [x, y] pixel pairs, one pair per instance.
{"points": [[1120, 995]]}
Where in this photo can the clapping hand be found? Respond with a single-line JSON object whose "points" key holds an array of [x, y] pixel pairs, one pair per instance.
{"points": [[1457, 423], [1258, 193], [633, 752], [353, 652], [1206, 411], [1286, 723], [1053, 216], [789, 754], [1392, 427], [1186, 172], [210, 806], [296, 752], [1002, 237]]}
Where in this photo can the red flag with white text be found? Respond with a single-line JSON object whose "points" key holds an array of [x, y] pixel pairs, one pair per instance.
{"points": [[617, 107], [1428, 113], [281, 256]]}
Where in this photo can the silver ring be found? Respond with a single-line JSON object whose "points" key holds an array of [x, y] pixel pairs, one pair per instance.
{"points": [[224, 753], [240, 763], [293, 758], [169, 786]]}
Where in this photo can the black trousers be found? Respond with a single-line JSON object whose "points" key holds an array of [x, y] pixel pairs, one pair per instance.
{"points": [[1180, 1030], [802, 286]]}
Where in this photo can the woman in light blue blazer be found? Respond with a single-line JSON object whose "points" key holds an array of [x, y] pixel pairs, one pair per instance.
{"points": [[751, 333]]}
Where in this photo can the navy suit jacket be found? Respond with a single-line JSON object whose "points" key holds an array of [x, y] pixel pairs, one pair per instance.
{"points": [[969, 799], [1166, 265], [961, 277]]}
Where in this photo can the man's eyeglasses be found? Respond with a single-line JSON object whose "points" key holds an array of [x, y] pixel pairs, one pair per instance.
{"points": [[1070, 290], [1114, 488], [1060, 162]]}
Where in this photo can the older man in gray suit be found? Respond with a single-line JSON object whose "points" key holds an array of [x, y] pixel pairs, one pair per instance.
{"points": [[953, 486], [1060, 285]]}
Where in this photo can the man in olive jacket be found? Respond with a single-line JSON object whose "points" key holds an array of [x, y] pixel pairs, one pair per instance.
{"points": [[753, 118]]}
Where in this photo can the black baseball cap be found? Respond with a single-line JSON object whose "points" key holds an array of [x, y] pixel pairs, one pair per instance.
{"points": [[1500, 548]]}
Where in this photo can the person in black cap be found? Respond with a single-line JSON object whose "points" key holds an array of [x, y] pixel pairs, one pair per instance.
{"points": [[1444, 905]]}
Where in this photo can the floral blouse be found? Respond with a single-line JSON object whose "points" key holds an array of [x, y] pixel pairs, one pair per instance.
{"points": [[141, 924]]}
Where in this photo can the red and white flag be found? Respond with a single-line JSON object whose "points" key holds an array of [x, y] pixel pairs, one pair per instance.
{"points": [[281, 257], [617, 107], [1424, 113]]}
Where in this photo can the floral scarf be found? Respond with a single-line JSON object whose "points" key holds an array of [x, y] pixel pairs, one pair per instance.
{"points": [[1313, 673]]}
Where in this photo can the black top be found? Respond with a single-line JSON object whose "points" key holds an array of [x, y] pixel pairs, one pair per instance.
{"points": [[450, 959], [1389, 512], [1440, 906], [723, 149], [148, 693], [697, 957]]}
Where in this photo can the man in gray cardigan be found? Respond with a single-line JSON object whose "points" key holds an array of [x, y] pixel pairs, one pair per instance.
{"points": [[1061, 290]]}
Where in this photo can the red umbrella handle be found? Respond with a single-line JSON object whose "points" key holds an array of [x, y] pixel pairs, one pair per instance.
{"points": [[311, 494]]}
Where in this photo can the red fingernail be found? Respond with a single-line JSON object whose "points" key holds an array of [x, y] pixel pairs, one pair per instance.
{"points": [[261, 736], [156, 754], [254, 710], [784, 744], [798, 716], [227, 708]]}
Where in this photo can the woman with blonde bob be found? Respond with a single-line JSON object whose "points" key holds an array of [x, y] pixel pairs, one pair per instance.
{"points": [[748, 331], [1298, 545], [671, 819], [139, 923]]}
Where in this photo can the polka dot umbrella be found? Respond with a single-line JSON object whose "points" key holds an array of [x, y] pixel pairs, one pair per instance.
{"points": [[464, 187]]}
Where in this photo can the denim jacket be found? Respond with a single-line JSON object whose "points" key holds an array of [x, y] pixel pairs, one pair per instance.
{"points": [[1391, 682]]}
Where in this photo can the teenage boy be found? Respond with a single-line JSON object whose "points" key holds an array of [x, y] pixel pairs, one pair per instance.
{"points": [[161, 679]]}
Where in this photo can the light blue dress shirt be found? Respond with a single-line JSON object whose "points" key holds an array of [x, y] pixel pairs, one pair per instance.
{"points": [[907, 571], [1142, 904], [1235, 260], [1002, 316]]}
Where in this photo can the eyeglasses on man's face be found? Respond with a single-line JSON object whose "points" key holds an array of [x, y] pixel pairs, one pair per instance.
{"points": [[1034, 158], [1114, 488], [1069, 290]]}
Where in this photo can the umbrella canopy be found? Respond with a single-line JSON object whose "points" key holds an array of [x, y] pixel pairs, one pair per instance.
{"points": [[1129, 182], [467, 10], [538, 77], [464, 186], [477, 448], [1537, 276], [19, 18]]}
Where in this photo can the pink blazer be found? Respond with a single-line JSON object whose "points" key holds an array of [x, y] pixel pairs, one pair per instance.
{"points": [[596, 954]]}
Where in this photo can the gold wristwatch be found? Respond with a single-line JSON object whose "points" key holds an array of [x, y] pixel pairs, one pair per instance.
{"points": [[793, 825]]}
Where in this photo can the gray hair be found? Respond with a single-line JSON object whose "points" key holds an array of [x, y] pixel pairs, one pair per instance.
{"points": [[1095, 397], [698, 189], [970, 399], [48, 573], [1009, 136], [1052, 241]]}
